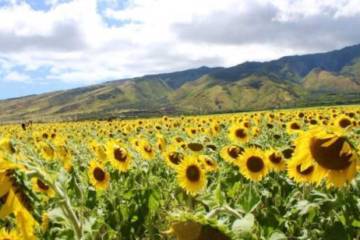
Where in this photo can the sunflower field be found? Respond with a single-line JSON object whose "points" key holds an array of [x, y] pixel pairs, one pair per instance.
{"points": [[284, 174]]}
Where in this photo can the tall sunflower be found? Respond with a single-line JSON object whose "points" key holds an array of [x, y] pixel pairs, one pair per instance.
{"points": [[253, 164], [98, 176], [191, 177], [118, 156], [330, 153]]}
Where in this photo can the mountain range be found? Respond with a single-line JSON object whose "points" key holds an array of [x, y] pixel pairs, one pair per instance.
{"points": [[291, 81]]}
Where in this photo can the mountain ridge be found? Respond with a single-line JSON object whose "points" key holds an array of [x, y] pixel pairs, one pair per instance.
{"points": [[300, 80]]}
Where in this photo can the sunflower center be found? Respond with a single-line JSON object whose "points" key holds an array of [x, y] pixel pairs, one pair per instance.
{"points": [[274, 158], [176, 157], [120, 154], [330, 156], [42, 185], [234, 151], [209, 162], [344, 123], [193, 173], [240, 133], [99, 174], [148, 149], [295, 126], [306, 171], [196, 147], [288, 153], [255, 164]]}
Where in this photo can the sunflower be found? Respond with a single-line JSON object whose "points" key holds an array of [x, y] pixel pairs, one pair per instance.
{"points": [[301, 174], [146, 150], [293, 127], [41, 187], [98, 150], [173, 157], [5, 183], [11, 204], [253, 164], [46, 151], [98, 176], [161, 142], [64, 155], [208, 163], [343, 122], [9, 235], [238, 134], [196, 148], [189, 226], [276, 160], [6, 147], [191, 176], [330, 153], [25, 224], [231, 153], [118, 156]]}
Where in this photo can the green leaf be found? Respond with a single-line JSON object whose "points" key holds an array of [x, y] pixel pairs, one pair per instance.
{"points": [[219, 195], [244, 225], [249, 199], [278, 236]]}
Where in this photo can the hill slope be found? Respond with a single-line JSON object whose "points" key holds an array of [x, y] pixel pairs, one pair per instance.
{"points": [[324, 78]]}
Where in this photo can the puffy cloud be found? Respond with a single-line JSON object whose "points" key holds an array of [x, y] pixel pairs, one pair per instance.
{"points": [[87, 41], [302, 26]]}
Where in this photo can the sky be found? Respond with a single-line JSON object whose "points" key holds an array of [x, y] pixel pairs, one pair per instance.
{"points": [[60, 44]]}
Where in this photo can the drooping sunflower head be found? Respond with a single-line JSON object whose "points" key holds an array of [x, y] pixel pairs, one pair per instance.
{"points": [[195, 147], [331, 153], [98, 176], [253, 164], [191, 177], [187, 226]]}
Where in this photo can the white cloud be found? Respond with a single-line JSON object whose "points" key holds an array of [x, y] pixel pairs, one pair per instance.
{"points": [[80, 46], [17, 77]]}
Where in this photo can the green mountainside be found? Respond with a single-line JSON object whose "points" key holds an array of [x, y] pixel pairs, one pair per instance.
{"points": [[314, 79]]}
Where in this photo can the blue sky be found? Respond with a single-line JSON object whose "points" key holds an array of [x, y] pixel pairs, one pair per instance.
{"points": [[60, 44]]}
